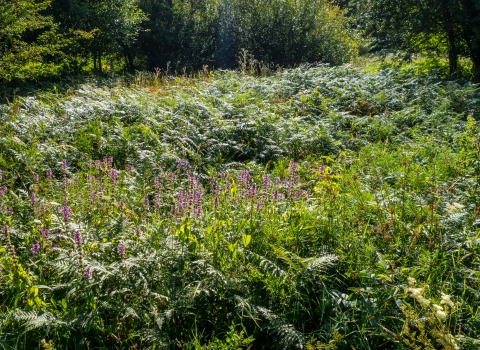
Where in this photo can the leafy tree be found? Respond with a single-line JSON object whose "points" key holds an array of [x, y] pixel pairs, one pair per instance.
{"points": [[451, 26], [109, 27], [285, 32], [28, 39]]}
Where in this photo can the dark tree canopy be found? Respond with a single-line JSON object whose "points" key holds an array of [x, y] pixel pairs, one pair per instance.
{"points": [[426, 25]]}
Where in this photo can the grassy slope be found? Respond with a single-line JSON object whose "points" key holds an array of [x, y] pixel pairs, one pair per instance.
{"points": [[384, 187]]}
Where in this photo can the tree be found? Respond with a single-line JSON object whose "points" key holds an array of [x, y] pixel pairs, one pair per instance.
{"points": [[426, 25], [109, 27], [28, 39]]}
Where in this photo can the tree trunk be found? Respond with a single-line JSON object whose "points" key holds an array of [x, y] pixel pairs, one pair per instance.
{"points": [[476, 64], [131, 65], [94, 62], [452, 53], [100, 62]]}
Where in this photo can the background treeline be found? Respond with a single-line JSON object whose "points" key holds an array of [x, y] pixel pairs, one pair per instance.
{"points": [[71, 35], [41, 38]]}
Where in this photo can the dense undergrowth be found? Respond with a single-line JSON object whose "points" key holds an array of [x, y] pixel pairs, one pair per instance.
{"points": [[318, 208]]}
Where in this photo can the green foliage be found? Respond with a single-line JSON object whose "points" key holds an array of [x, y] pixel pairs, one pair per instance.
{"points": [[103, 28], [289, 211], [450, 27], [195, 33], [29, 43]]}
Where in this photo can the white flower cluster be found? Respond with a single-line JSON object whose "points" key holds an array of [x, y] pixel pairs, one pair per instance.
{"points": [[441, 312], [417, 294]]}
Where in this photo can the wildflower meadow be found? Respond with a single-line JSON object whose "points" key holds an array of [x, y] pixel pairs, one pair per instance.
{"points": [[310, 208]]}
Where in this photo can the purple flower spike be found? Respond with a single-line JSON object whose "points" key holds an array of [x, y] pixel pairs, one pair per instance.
{"points": [[64, 164], [215, 203], [66, 210], [45, 233], [121, 251], [267, 182], [113, 174], [77, 236], [35, 177], [88, 273], [3, 190], [110, 160], [49, 173], [252, 191], [293, 168], [322, 168], [36, 248], [121, 205], [5, 229], [33, 199], [244, 177], [1, 174], [138, 232]]}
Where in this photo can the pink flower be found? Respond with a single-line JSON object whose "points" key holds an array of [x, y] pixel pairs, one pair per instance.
{"points": [[121, 251]]}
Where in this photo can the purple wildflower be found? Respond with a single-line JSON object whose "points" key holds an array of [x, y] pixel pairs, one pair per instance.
{"points": [[252, 191], [121, 205], [110, 160], [35, 177], [1, 174], [215, 203], [88, 273], [36, 248], [66, 210], [158, 200], [276, 195], [77, 237], [5, 229], [64, 164], [244, 177], [121, 251], [10, 211], [114, 176], [129, 167], [3, 190], [322, 168], [293, 168], [298, 195], [45, 233], [182, 165], [145, 203], [49, 174], [156, 182], [42, 210], [227, 186], [267, 182], [138, 232], [212, 183], [33, 199]]}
